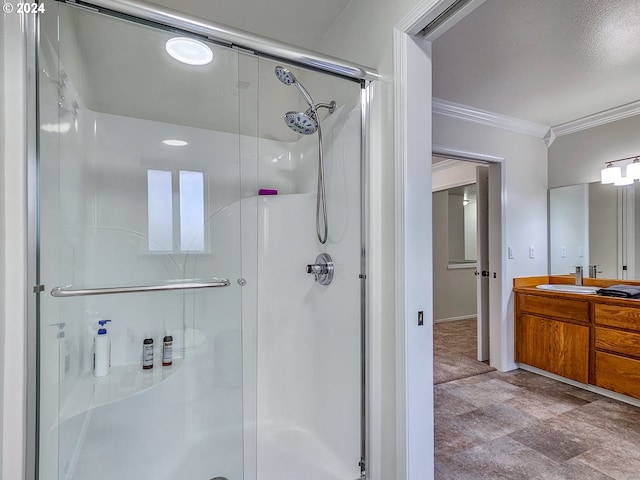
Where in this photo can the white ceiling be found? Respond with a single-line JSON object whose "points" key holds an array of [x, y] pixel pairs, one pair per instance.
{"points": [[545, 61]]}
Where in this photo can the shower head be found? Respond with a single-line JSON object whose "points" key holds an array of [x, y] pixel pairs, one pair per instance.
{"points": [[285, 76], [301, 122], [288, 78]]}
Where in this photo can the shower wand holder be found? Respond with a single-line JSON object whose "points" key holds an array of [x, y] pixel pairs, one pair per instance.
{"points": [[322, 270]]}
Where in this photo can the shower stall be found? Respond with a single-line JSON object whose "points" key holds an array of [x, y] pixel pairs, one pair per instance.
{"points": [[216, 218]]}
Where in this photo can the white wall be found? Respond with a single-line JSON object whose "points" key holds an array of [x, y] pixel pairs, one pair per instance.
{"points": [[524, 209], [579, 157]]}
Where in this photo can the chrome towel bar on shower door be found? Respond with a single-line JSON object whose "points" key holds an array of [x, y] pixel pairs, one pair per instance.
{"points": [[81, 292]]}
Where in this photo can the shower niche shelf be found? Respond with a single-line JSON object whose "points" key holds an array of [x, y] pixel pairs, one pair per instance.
{"points": [[123, 381]]}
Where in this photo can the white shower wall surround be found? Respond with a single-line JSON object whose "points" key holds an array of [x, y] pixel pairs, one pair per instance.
{"points": [[302, 405]]}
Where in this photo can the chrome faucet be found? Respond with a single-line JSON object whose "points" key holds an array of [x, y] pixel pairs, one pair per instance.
{"points": [[579, 272]]}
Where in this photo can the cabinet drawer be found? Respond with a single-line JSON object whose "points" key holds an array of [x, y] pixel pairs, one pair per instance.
{"points": [[619, 374], [554, 307], [618, 341], [616, 316]]}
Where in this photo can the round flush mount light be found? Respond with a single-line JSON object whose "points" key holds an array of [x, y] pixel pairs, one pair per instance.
{"points": [[189, 51], [175, 143]]}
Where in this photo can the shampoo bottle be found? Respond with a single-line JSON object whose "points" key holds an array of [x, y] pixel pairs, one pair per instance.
{"points": [[167, 350], [101, 351], [147, 353]]}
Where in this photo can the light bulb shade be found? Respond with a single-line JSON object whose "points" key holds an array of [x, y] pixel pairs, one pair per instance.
{"points": [[610, 174], [188, 50], [633, 171], [622, 181]]}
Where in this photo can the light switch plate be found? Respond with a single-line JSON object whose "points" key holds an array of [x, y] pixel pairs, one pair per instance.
{"points": [[532, 252]]}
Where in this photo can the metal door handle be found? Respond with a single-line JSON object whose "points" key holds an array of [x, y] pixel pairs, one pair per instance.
{"points": [[82, 292]]}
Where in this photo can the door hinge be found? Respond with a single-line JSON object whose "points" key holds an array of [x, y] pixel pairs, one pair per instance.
{"points": [[362, 276], [38, 288], [363, 468]]}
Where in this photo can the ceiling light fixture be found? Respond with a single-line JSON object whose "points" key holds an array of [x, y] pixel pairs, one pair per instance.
{"points": [[175, 143], [613, 175], [188, 50]]}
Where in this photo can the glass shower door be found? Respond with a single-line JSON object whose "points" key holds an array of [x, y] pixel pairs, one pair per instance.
{"points": [[140, 224]]}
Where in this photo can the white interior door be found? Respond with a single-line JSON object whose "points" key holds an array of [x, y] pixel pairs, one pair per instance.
{"points": [[482, 182]]}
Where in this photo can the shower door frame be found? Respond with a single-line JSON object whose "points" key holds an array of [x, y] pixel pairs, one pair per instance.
{"points": [[234, 38]]}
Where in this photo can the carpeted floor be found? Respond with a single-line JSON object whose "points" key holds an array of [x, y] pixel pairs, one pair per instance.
{"points": [[454, 351]]}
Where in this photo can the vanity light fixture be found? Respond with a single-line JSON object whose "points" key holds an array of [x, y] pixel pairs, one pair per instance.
{"points": [[188, 50], [633, 169], [610, 174], [622, 181], [613, 175]]}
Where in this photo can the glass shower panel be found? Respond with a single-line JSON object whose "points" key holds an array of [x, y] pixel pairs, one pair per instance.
{"points": [[140, 189], [309, 389]]}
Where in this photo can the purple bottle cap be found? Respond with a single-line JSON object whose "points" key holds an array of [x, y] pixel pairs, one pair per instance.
{"points": [[267, 191]]}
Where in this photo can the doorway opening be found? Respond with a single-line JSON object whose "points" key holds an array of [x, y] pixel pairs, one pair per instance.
{"points": [[464, 226]]}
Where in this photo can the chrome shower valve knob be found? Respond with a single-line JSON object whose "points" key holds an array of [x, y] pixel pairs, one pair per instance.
{"points": [[322, 270]]}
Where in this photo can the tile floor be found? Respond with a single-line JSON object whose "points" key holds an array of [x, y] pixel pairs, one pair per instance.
{"points": [[519, 425]]}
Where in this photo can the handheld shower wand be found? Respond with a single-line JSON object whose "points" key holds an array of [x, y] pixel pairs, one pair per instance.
{"points": [[307, 123]]}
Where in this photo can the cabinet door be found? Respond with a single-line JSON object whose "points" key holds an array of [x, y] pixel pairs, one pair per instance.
{"points": [[557, 347]]}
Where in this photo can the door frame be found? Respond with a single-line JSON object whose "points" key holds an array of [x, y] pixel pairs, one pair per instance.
{"points": [[497, 221], [414, 270]]}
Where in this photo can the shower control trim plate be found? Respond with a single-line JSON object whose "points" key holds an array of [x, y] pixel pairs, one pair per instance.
{"points": [[322, 270]]}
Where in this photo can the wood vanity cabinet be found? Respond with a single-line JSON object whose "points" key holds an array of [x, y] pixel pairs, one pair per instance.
{"points": [[617, 348], [590, 339], [553, 334]]}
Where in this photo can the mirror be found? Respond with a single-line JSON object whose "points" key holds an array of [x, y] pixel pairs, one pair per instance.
{"points": [[462, 214], [596, 226]]}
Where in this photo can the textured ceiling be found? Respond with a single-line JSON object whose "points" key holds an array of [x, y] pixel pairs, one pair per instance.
{"points": [[546, 61]]}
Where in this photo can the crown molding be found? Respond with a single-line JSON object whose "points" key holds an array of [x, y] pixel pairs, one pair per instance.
{"points": [[445, 165], [601, 118], [464, 112]]}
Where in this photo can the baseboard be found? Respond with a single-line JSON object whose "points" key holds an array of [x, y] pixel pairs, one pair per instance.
{"points": [[453, 319], [592, 388]]}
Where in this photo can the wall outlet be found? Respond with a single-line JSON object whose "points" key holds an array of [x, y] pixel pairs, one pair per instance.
{"points": [[510, 252], [532, 252]]}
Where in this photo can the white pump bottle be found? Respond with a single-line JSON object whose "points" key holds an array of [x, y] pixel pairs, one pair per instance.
{"points": [[101, 351]]}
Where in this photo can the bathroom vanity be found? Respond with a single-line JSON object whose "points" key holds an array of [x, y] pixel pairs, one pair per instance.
{"points": [[584, 337]]}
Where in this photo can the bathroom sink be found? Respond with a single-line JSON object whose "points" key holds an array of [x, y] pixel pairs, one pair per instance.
{"points": [[584, 290]]}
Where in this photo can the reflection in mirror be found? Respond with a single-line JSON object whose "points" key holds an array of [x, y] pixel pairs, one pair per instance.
{"points": [[462, 225], [595, 226]]}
